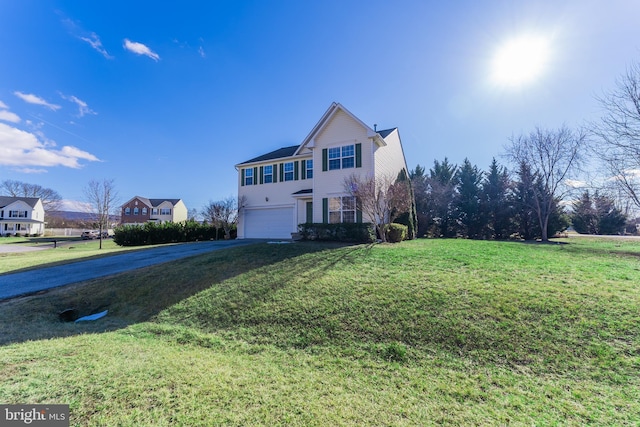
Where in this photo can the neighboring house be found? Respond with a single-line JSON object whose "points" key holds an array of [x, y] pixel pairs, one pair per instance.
{"points": [[140, 210], [305, 183], [21, 215]]}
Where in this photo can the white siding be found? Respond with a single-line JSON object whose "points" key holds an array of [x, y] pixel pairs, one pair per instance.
{"points": [[390, 158]]}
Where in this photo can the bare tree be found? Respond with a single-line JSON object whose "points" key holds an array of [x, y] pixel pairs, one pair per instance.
{"points": [[618, 133], [102, 198], [553, 156], [50, 198], [381, 199], [223, 214]]}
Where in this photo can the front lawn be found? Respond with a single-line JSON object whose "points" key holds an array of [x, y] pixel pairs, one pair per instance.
{"points": [[428, 332]]}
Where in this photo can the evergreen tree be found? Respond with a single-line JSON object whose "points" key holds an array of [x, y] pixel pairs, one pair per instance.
{"points": [[419, 184], [467, 200], [441, 186], [496, 205], [584, 218], [524, 203], [611, 220]]}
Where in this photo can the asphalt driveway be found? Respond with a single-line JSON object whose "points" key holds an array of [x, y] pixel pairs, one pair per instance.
{"points": [[28, 282]]}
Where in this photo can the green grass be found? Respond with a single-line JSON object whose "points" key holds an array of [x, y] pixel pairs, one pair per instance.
{"points": [[428, 332], [67, 250]]}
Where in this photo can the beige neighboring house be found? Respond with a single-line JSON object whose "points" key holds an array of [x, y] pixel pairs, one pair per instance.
{"points": [[140, 210], [21, 215], [305, 183]]}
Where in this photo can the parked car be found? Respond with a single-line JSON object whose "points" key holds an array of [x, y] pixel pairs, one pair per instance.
{"points": [[90, 235]]}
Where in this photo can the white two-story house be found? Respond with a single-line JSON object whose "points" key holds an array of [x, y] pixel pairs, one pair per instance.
{"points": [[305, 183], [21, 215]]}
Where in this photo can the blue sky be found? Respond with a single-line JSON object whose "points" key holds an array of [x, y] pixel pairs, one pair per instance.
{"points": [[166, 97]]}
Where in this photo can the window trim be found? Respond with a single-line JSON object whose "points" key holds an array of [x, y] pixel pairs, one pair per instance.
{"points": [[288, 174], [268, 174], [341, 211], [248, 176]]}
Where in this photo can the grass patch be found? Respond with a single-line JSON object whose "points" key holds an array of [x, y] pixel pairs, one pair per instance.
{"points": [[67, 251], [427, 332]]}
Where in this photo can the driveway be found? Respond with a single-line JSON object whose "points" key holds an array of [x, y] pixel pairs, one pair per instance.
{"points": [[28, 282]]}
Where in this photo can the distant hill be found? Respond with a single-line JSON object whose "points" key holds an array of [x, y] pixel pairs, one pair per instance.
{"points": [[77, 216]]}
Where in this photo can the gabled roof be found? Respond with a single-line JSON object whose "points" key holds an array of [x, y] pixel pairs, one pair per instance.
{"points": [[276, 154], [385, 133], [377, 136], [326, 117], [7, 200], [154, 202]]}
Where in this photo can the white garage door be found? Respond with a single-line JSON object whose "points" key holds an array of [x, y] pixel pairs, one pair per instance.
{"points": [[268, 223]]}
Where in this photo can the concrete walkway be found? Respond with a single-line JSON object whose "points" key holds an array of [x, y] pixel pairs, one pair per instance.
{"points": [[28, 282]]}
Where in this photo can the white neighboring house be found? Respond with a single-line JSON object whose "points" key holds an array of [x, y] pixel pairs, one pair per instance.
{"points": [[140, 210], [305, 183], [21, 215]]}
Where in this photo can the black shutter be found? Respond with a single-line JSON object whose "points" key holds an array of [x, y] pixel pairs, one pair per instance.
{"points": [[325, 210], [261, 174], [358, 155], [241, 177], [325, 159]]}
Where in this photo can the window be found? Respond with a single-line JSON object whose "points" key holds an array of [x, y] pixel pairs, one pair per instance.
{"points": [[127, 211], [17, 214], [342, 209], [165, 211], [309, 169], [248, 177], [342, 157], [136, 211], [288, 171], [268, 174], [144, 211], [154, 211]]}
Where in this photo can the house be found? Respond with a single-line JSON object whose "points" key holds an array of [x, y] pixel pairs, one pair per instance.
{"points": [[305, 183], [140, 210], [21, 215]]}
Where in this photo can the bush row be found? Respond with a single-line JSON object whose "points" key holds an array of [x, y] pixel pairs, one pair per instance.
{"points": [[344, 232], [151, 233]]}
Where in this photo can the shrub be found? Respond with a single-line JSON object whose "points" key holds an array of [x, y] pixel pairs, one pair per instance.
{"points": [[152, 234], [343, 232], [396, 233]]}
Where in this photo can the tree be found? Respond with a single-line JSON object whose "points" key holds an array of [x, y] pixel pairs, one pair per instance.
{"points": [[611, 220], [523, 202], [101, 197], [223, 214], [467, 199], [553, 156], [419, 184], [584, 218], [496, 206], [50, 198], [441, 186], [381, 199], [618, 133]]}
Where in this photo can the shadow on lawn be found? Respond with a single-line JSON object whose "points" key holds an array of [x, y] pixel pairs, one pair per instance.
{"points": [[139, 295]]}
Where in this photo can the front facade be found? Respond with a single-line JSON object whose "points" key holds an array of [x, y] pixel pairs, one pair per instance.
{"points": [[21, 215], [140, 210], [305, 183]]}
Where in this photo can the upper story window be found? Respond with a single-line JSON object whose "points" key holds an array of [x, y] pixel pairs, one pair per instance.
{"points": [[342, 209], [144, 211], [288, 171], [165, 211], [268, 174], [248, 176], [309, 169], [154, 211], [127, 211], [136, 211], [17, 214], [342, 157]]}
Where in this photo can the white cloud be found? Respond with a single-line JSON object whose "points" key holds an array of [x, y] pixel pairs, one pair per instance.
{"points": [[8, 116], [74, 206], [23, 149], [202, 52], [140, 49], [3, 105], [575, 183], [95, 43], [31, 170], [83, 108], [33, 99]]}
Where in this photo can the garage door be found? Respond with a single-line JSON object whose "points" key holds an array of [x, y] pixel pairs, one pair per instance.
{"points": [[268, 223]]}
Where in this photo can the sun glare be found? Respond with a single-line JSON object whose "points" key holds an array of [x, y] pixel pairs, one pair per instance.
{"points": [[520, 61]]}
